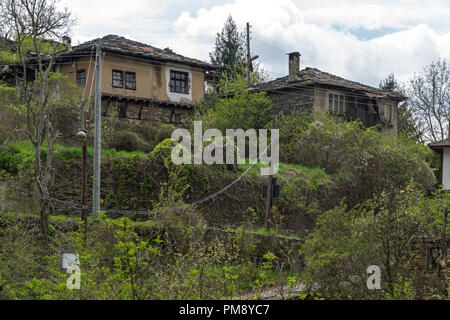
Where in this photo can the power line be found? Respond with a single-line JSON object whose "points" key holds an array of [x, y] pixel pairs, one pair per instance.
{"points": [[149, 212], [319, 60]]}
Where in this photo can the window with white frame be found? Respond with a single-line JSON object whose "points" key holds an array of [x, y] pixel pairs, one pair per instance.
{"points": [[336, 102], [179, 82]]}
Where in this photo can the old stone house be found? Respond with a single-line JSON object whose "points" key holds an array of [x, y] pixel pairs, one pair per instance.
{"points": [[139, 81], [317, 90]]}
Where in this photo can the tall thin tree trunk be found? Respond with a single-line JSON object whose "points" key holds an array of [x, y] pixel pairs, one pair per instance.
{"points": [[44, 219]]}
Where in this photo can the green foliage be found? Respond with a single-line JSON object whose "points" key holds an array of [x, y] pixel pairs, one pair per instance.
{"points": [[362, 161], [382, 231], [45, 46], [12, 114], [128, 141], [16, 157], [235, 79], [229, 47], [123, 136], [17, 256], [163, 151], [7, 95], [7, 57], [403, 289], [244, 110]]}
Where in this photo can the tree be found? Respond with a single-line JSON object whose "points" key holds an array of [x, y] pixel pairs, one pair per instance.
{"points": [[234, 78], [241, 111], [230, 46], [408, 123], [429, 94], [38, 25], [382, 232]]}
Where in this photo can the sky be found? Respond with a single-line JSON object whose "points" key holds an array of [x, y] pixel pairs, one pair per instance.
{"points": [[362, 40]]}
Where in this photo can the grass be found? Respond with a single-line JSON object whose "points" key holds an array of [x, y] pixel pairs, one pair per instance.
{"points": [[263, 231], [22, 153], [313, 174], [249, 273], [75, 152], [76, 218]]}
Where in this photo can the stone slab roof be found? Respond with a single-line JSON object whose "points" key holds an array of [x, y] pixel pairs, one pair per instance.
{"points": [[120, 45], [438, 146], [312, 77]]}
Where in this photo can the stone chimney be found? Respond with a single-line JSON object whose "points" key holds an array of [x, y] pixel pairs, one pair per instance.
{"points": [[294, 65], [67, 41]]}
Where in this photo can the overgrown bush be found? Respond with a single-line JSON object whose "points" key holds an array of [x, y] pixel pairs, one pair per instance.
{"points": [[128, 141], [243, 110], [125, 136], [361, 160], [381, 231]]}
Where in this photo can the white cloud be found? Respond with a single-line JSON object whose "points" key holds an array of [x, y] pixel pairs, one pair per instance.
{"points": [[285, 26], [376, 15], [328, 33]]}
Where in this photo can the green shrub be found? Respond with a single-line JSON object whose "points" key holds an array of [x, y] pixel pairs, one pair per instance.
{"points": [[8, 161], [382, 231], [243, 110], [16, 156], [128, 141], [361, 160]]}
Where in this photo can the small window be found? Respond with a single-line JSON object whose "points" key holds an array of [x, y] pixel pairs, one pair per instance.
{"points": [[176, 118], [117, 79], [130, 80], [81, 78], [336, 103], [122, 111], [179, 82]]}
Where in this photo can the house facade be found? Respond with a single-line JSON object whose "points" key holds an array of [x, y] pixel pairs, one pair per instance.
{"points": [[316, 90], [139, 82]]}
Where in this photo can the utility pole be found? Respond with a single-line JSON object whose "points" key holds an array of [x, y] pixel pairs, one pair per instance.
{"points": [[269, 200], [84, 196], [98, 130], [249, 59]]}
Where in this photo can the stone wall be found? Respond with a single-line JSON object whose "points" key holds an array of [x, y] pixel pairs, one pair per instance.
{"points": [[147, 112], [292, 99], [429, 277]]}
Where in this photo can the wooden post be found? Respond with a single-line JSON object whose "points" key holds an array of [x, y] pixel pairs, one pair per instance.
{"points": [[444, 235]]}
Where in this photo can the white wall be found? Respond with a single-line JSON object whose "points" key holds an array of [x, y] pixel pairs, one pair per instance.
{"points": [[174, 96], [446, 169]]}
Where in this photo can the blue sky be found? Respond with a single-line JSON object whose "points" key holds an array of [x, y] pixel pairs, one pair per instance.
{"points": [[361, 40]]}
